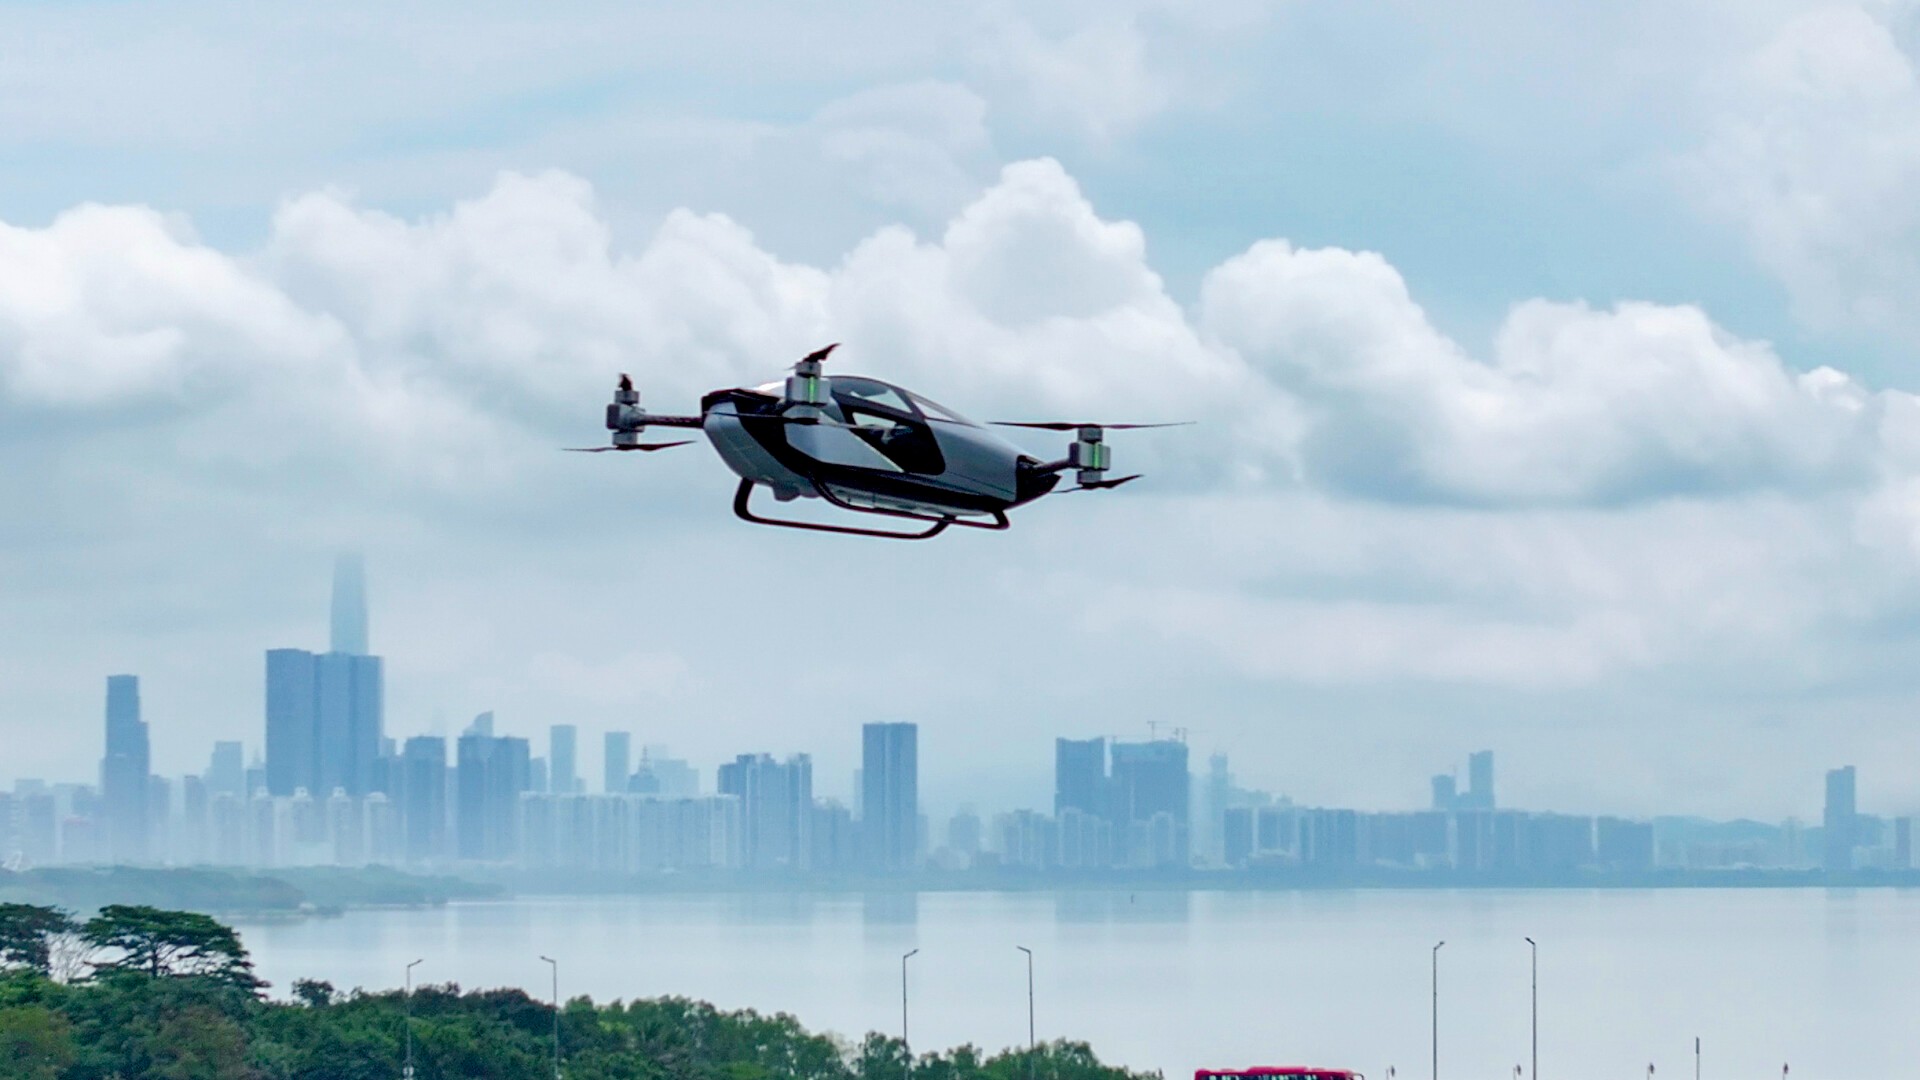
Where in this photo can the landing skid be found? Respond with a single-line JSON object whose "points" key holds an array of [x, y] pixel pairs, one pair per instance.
{"points": [[743, 497]]}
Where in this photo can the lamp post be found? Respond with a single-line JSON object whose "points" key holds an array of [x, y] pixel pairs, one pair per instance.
{"points": [[904, 1043], [555, 965], [407, 1073], [1534, 953], [1032, 1042], [1436, 1010], [1696, 1057]]}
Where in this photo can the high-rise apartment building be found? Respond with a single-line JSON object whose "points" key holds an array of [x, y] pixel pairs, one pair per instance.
{"points": [[1080, 776], [890, 796], [563, 745], [1480, 781], [126, 781], [1151, 790], [618, 760], [776, 809], [492, 774], [325, 711], [349, 613], [423, 798], [227, 770], [1838, 824], [324, 721]]}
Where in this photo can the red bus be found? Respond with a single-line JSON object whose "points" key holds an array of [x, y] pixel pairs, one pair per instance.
{"points": [[1277, 1073], [1280, 1072]]}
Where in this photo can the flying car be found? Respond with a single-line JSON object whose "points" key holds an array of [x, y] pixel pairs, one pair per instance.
{"points": [[869, 447]]}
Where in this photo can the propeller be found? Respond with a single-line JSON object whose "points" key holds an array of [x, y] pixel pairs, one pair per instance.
{"points": [[1097, 485], [818, 356], [1061, 425], [638, 446]]}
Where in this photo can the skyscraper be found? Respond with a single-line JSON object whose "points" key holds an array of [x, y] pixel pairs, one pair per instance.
{"points": [[1445, 797], [1151, 791], [125, 773], [1480, 780], [1837, 825], [776, 808], [890, 796], [325, 712], [618, 760], [349, 623], [563, 743], [324, 721], [227, 771], [491, 775], [1080, 776], [423, 798]]}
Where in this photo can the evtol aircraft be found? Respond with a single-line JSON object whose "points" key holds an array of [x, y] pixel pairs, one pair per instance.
{"points": [[872, 448]]}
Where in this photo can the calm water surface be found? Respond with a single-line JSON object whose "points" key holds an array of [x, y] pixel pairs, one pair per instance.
{"points": [[1826, 980]]}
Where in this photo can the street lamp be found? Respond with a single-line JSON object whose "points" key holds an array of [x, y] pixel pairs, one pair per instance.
{"points": [[1534, 951], [555, 965], [1032, 1043], [904, 1044], [1436, 1010], [407, 1073]]}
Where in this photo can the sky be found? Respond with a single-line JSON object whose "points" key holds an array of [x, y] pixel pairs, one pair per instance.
{"points": [[1553, 370]]}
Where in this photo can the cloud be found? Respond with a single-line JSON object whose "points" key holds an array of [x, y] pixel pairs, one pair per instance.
{"points": [[1613, 495], [1575, 405], [1812, 150]]}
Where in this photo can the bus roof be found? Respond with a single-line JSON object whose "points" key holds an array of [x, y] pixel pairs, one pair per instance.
{"points": [[1291, 1072]]}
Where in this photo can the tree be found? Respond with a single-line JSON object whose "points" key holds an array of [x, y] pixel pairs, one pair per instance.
{"points": [[35, 1043], [199, 1044], [27, 934], [170, 944], [313, 993]]}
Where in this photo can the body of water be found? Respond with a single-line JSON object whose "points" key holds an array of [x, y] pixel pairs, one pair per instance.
{"points": [[1825, 980]]}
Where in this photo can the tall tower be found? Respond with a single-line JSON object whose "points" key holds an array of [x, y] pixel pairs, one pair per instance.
{"points": [[1837, 824], [326, 712], [1480, 780], [1080, 776], [890, 796], [563, 742], [618, 761], [349, 605], [125, 772]]}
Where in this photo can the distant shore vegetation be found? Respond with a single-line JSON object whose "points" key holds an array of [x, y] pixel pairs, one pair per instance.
{"points": [[227, 891], [137, 991]]}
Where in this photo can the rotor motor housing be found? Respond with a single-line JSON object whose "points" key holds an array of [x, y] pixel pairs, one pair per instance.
{"points": [[806, 386], [1090, 455]]}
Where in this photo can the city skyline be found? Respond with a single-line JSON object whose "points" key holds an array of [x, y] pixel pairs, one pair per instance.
{"points": [[332, 786], [353, 687]]}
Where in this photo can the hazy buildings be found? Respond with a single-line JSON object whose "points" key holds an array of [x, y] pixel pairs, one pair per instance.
{"points": [[1080, 776], [349, 612], [776, 809], [1150, 789], [1839, 822], [890, 796], [618, 761], [1479, 794], [563, 744], [423, 798], [325, 711], [126, 781], [226, 770], [491, 775]]}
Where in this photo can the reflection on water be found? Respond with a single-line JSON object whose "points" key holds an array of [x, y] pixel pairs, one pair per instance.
{"points": [[1828, 981], [1101, 906]]}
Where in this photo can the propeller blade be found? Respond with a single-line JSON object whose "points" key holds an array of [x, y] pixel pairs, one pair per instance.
{"points": [[641, 447], [1059, 425], [1098, 485], [818, 356]]}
